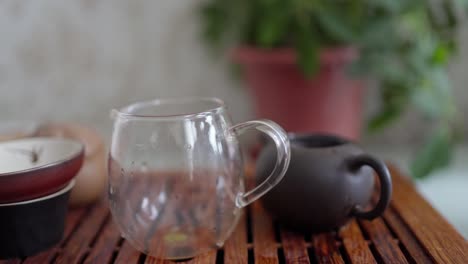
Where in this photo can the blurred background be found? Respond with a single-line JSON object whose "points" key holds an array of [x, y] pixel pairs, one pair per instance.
{"points": [[73, 61]]}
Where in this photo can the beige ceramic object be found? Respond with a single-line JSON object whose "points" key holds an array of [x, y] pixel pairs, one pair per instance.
{"points": [[91, 180]]}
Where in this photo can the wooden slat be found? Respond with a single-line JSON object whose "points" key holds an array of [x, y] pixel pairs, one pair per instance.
{"points": [[410, 224], [357, 248], [127, 254], [43, 257], [153, 260], [78, 245], [72, 220], [411, 244], [294, 247], [235, 248], [385, 244], [74, 216], [264, 243], [443, 242], [208, 258], [105, 245], [326, 248]]}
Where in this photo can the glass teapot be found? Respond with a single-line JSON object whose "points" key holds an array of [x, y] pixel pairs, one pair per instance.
{"points": [[176, 185]]}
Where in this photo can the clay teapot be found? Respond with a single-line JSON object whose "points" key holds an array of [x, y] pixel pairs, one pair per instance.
{"points": [[329, 180]]}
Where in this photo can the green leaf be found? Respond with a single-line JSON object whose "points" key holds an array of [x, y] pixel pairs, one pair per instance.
{"points": [[335, 23], [390, 6], [441, 54], [433, 96], [215, 23], [434, 155], [394, 101], [450, 15], [307, 53], [403, 45], [270, 22], [271, 28], [376, 33], [382, 119]]}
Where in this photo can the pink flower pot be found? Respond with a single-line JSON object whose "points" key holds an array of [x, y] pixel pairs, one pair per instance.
{"points": [[328, 102]]}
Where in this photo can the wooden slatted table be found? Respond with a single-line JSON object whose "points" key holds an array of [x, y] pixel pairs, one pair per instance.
{"points": [[410, 231]]}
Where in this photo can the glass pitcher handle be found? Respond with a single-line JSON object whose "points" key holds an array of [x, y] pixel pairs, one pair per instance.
{"points": [[283, 156]]}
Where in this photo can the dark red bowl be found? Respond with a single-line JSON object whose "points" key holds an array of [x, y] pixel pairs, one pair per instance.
{"points": [[35, 167]]}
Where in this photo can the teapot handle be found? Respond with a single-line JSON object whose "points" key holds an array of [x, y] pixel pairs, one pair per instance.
{"points": [[384, 176], [278, 135]]}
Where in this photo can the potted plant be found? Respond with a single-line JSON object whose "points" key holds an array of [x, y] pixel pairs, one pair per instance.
{"points": [[307, 62]]}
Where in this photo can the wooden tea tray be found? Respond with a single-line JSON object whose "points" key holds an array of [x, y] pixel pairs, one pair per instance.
{"points": [[410, 231]]}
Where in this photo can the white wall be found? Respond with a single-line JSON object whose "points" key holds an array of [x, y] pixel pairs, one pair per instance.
{"points": [[75, 60]]}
